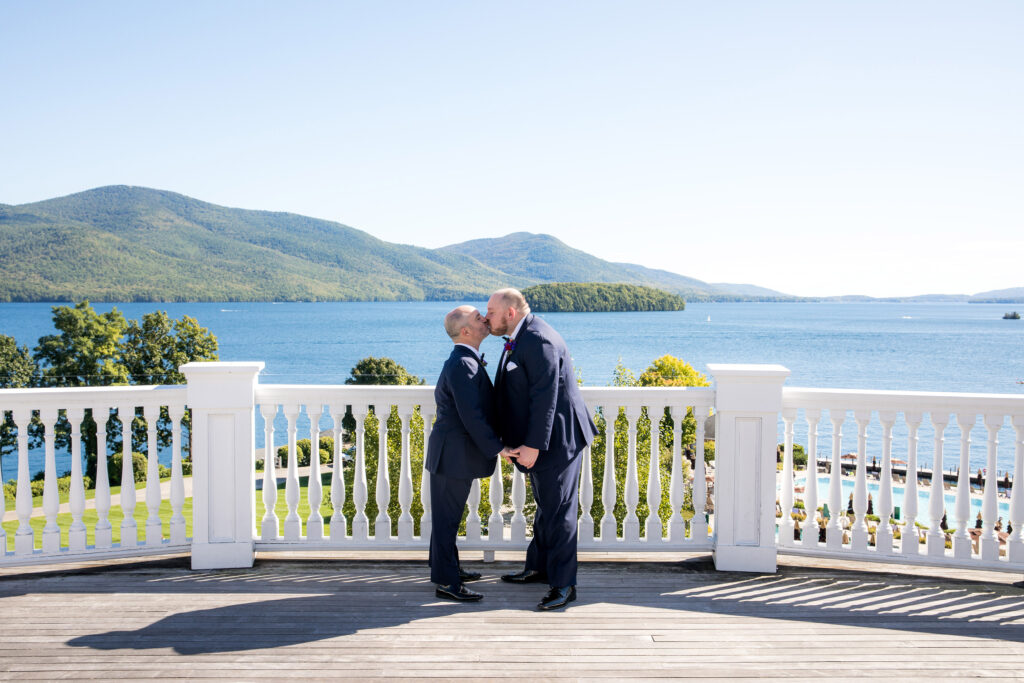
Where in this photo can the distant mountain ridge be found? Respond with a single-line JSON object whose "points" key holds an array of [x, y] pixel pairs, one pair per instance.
{"points": [[124, 243]]}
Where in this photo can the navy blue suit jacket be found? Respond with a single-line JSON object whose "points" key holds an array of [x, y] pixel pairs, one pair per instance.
{"points": [[463, 443], [537, 400]]}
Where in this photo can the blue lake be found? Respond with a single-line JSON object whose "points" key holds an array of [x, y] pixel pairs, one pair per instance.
{"points": [[927, 347]]}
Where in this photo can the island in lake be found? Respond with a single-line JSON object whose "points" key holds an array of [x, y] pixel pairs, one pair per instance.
{"points": [[595, 297]]}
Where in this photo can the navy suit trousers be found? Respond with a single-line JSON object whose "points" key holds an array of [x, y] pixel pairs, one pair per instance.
{"points": [[448, 496], [553, 548]]}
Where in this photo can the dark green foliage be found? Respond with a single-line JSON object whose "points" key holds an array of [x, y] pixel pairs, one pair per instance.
{"points": [[153, 351], [590, 297], [303, 447], [381, 371], [17, 368], [86, 352], [799, 455], [114, 463]]}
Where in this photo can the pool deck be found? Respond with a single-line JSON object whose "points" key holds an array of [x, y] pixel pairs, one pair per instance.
{"points": [[355, 617]]}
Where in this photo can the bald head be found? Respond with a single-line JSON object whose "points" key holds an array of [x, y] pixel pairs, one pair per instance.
{"points": [[456, 320], [465, 325], [505, 309], [514, 299]]}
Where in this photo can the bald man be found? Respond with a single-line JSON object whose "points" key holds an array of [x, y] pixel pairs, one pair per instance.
{"points": [[463, 446]]}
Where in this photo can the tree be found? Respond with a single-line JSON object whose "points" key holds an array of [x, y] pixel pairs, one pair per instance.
{"points": [[669, 371], [372, 370], [17, 368], [86, 352], [153, 351]]}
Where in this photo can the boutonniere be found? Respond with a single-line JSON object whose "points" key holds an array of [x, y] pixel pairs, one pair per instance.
{"points": [[483, 363], [510, 345]]}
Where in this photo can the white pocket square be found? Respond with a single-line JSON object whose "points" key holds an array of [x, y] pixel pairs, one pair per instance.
{"points": [[510, 366]]}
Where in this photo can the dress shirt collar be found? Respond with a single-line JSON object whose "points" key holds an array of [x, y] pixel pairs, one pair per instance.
{"points": [[476, 352]]}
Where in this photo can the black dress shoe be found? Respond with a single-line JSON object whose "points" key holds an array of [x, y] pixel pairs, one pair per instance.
{"points": [[525, 576], [459, 592], [468, 576], [557, 598]]}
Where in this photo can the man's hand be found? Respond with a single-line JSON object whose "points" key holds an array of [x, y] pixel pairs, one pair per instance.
{"points": [[508, 454], [527, 456]]}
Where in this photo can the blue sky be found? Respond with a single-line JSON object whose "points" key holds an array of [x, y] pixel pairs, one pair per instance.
{"points": [[817, 148]]}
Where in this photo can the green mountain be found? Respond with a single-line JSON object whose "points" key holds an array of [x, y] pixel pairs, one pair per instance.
{"points": [[547, 259], [136, 244]]}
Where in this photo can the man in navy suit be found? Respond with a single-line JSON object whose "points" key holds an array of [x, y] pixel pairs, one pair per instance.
{"points": [[463, 446], [541, 414]]}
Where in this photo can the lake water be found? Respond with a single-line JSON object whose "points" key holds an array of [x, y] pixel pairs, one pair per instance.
{"points": [[928, 347]]}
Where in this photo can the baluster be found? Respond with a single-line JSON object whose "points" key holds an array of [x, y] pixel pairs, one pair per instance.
{"points": [[518, 501], [425, 525], [834, 531], [936, 503], [339, 525], [810, 536], [154, 530], [3, 502], [883, 536], [699, 523], [1015, 543], [103, 530], [405, 522], [129, 529], [314, 485], [585, 526], [473, 518], [961, 538], [911, 545], [24, 537], [269, 526], [496, 495], [77, 532], [676, 529], [51, 498], [631, 495], [653, 529], [609, 530], [179, 527], [360, 522], [786, 526], [292, 521], [382, 525], [860, 486], [990, 505]]}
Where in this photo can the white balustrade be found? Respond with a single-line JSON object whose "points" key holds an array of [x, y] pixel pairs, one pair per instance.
{"points": [[58, 425], [887, 417], [339, 525], [405, 521], [292, 522], [755, 406], [154, 530], [653, 530], [809, 539], [270, 525], [129, 529], [314, 487]]}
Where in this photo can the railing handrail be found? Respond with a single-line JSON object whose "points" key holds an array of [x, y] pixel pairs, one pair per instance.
{"points": [[86, 397], [887, 400]]}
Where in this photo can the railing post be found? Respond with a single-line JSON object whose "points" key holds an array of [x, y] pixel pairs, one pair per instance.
{"points": [[748, 400], [222, 399]]}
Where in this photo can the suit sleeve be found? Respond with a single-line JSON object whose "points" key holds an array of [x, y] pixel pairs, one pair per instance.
{"points": [[543, 387], [467, 396]]}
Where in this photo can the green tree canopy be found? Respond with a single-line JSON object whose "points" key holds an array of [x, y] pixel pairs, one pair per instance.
{"points": [[153, 351], [384, 370], [669, 371], [585, 297], [17, 369], [86, 352]]}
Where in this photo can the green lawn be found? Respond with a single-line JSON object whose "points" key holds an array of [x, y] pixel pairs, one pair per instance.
{"points": [[115, 517]]}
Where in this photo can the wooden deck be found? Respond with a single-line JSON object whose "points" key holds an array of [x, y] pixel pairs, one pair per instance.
{"points": [[634, 620]]}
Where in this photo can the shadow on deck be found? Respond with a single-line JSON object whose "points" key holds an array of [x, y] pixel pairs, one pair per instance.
{"points": [[358, 618]]}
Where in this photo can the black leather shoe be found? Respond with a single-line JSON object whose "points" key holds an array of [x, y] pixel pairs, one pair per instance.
{"points": [[557, 598], [459, 592], [525, 576], [468, 576]]}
